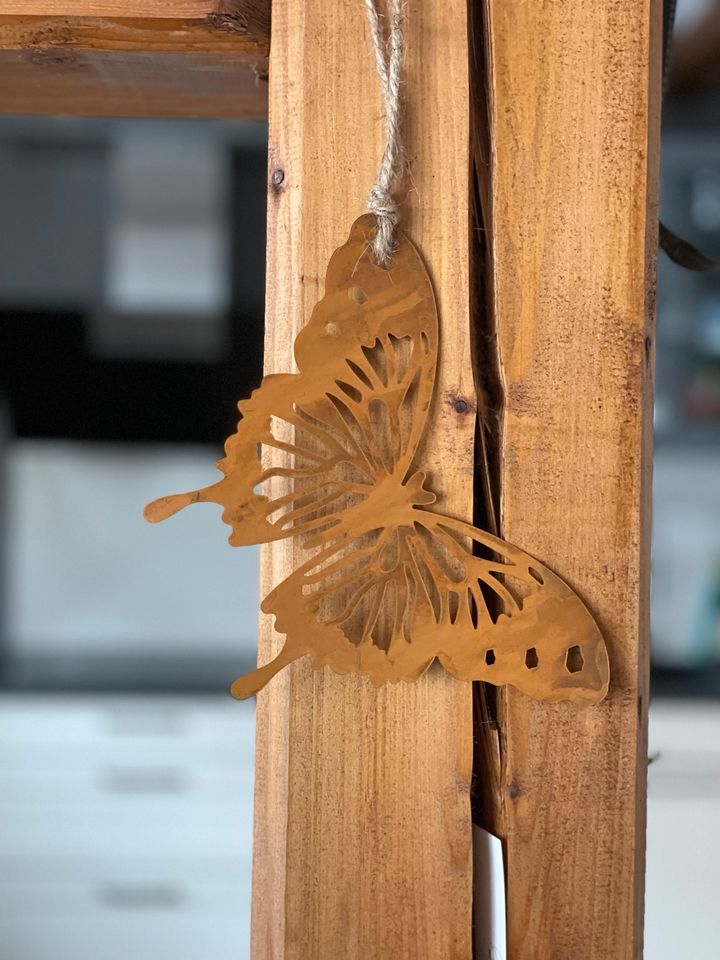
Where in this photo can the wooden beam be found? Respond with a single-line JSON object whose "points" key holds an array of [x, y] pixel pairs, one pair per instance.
{"points": [[362, 815], [183, 58], [574, 105], [144, 9]]}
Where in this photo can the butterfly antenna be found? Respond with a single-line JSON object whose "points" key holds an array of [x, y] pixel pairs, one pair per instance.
{"points": [[251, 683], [165, 507]]}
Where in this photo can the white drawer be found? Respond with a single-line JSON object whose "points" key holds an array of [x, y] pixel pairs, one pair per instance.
{"points": [[56, 758], [90, 869], [123, 892], [54, 719], [119, 829], [113, 917], [84, 783], [148, 936], [101, 737]]}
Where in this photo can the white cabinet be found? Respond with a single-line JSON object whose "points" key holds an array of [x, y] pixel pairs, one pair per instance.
{"points": [[125, 828], [683, 855]]}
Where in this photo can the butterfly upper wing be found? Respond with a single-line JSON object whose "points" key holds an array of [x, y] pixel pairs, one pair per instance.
{"points": [[312, 445], [387, 605]]}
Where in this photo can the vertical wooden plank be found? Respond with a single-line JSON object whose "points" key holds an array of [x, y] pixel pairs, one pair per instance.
{"points": [[363, 834], [574, 130]]}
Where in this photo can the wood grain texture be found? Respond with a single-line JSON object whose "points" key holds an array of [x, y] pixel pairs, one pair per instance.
{"points": [[145, 9], [574, 102], [362, 829], [209, 65]]}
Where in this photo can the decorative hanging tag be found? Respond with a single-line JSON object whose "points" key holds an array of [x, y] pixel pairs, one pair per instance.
{"points": [[329, 455], [390, 584]]}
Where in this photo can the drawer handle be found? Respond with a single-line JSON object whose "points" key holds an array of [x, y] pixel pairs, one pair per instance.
{"points": [[143, 780], [161, 724], [140, 896]]}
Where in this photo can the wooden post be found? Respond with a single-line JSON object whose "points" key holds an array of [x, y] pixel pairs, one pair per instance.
{"points": [[363, 832], [574, 104], [362, 801]]}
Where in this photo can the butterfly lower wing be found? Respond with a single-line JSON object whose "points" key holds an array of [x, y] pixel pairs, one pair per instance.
{"points": [[353, 609], [389, 603], [506, 618], [311, 446]]}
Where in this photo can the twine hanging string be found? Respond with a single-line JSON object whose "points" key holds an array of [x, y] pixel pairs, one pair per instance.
{"points": [[388, 59]]}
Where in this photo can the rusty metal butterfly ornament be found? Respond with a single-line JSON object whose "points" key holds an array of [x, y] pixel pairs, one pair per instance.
{"points": [[329, 455]]}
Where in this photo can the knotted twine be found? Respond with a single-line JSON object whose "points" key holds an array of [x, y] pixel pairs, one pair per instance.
{"points": [[388, 60]]}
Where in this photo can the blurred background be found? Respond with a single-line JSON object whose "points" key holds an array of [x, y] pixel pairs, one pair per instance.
{"points": [[683, 854], [131, 303]]}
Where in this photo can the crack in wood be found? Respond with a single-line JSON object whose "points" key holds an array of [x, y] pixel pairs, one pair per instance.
{"points": [[487, 795]]}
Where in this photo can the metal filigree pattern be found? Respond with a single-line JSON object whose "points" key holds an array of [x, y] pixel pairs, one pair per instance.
{"points": [[328, 455]]}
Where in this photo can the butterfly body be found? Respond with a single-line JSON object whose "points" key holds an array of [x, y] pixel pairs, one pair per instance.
{"points": [[329, 456]]}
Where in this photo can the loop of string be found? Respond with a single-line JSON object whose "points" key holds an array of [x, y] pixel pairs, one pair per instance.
{"points": [[388, 59]]}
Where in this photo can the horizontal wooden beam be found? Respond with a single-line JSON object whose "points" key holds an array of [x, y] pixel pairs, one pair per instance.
{"points": [[183, 58], [171, 10]]}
